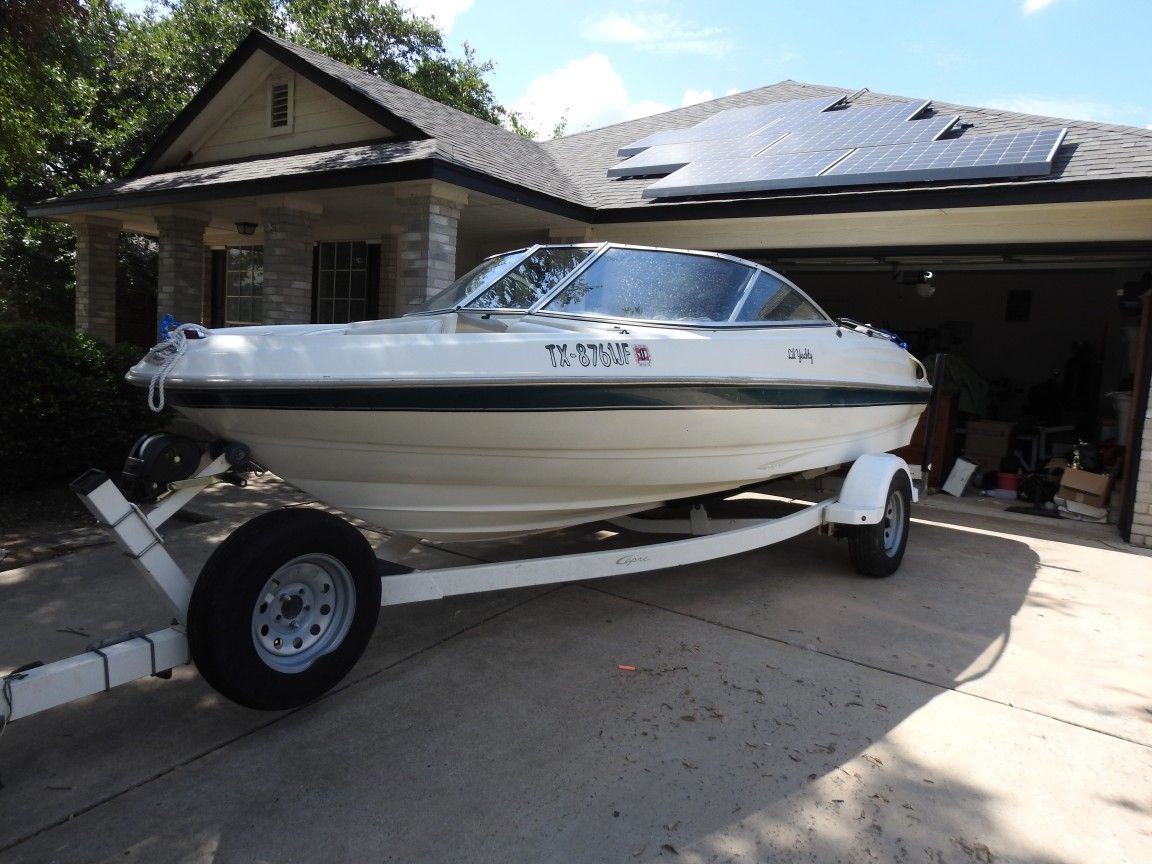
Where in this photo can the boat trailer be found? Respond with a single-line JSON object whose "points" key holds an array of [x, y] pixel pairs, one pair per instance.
{"points": [[286, 605]]}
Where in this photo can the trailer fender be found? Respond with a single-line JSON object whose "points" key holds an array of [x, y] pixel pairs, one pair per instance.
{"points": [[864, 495]]}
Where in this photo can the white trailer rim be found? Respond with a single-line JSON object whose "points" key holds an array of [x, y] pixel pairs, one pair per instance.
{"points": [[303, 611], [894, 522]]}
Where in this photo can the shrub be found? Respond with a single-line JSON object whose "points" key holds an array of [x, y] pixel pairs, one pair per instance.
{"points": [[64, 404]]}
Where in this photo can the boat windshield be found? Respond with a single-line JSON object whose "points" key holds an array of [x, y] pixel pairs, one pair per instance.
{"points": [[771, 299], [471, 281], [664, 286], [532, 279]]}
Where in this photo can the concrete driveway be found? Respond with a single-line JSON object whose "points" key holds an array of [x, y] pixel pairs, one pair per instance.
{"points": [[991, 702]]}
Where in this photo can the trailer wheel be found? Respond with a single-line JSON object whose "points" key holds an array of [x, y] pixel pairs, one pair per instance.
{"points": [[284, 608], [877, 550]]}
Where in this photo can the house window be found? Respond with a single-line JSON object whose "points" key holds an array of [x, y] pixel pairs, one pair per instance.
{"points": [[280, 106], [243, 285], [346, 276]]}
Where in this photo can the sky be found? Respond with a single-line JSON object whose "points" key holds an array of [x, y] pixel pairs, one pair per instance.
{"points": [[597, 62]]}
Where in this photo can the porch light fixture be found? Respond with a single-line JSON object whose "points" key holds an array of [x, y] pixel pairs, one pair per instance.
{"points": [[246, 228]]}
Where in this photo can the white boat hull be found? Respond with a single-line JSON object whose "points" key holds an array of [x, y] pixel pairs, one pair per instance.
{"points": [[474, 476], [426, 427]]}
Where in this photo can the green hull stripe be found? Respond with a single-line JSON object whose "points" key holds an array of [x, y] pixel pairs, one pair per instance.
{"points": [[544, 397]]}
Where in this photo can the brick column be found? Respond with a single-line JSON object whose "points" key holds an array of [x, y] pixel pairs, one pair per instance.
{"points": [[1141, 534], [180, 269], [289, 234], [96, 277], [429, 216], [388, 305]]}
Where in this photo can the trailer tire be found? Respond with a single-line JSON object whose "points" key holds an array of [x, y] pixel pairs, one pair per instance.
{"points": [[284, 608], [877, 550]]}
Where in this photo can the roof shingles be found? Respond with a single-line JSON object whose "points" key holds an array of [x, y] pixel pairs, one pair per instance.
{"points": [[460, 137], [574, 169]]}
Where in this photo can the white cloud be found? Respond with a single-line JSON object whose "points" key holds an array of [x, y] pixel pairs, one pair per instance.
{"points": [[616, 28], [1031, 7], [659, 33], [443, 12], [588, 92]]}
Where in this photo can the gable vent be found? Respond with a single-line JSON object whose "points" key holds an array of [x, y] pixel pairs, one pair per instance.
{"points": [[279, 106]]}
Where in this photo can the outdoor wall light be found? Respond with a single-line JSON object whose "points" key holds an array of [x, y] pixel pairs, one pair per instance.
{"points": [[246, 228]]}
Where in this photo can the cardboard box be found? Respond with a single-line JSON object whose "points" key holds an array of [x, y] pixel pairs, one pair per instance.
{"points": [[1082, 512], [989, 461], [990, 439], [996, 431], [987, 442], [1084, 487]]}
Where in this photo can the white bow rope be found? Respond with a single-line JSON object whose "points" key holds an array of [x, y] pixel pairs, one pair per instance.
{"points": [[173, 345]]}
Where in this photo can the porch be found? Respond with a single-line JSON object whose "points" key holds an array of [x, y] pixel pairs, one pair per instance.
{"points": [[324, 255]]}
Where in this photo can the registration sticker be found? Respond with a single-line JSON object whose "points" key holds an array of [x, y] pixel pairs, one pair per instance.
{"points": [[643, 355]]}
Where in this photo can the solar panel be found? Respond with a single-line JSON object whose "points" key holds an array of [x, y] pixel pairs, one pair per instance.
{"points": [[845, 118], [862, 135], [1008, 154], [732, 123], [805, 143], [666, 158], [668, 136], [691, 135], [746, 174], [751, 117]]}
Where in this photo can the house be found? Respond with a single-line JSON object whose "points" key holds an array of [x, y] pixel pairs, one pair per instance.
{"points": [[294, 188]]}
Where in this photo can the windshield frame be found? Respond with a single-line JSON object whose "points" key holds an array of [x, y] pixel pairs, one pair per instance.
{"points": [[756, 268], [513, 260], [596, 250], [517, 257]]}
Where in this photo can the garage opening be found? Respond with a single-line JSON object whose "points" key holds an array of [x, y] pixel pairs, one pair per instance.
{"points": [[1036, 352]]}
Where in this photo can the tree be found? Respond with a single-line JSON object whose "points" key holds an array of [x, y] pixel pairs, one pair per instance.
{"points": [[86, 87], [41, 59]]}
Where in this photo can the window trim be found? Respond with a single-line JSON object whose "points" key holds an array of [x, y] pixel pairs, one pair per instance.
{"points": [[372, 276], [258, 299]]}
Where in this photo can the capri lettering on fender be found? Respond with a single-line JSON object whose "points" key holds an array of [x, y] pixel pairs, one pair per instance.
{"points": [[586, 354]]}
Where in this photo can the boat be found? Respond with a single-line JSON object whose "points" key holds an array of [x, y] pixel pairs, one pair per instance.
{"points": [[551, 386]]}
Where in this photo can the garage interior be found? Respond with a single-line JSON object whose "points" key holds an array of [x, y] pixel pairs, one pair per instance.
{"points": [[1041, 346]]}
